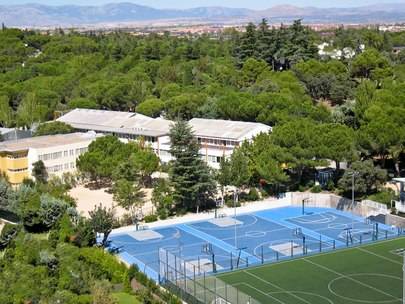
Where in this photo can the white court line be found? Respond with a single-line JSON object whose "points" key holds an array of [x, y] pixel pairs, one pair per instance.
{"points": [[263, 293], [275, 285], [350, 278], [380, 256], [239, 237], [269, 265]]}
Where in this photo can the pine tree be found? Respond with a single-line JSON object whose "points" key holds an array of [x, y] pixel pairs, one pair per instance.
{"points": [[39, 172], [190, 176], [247, 43]]}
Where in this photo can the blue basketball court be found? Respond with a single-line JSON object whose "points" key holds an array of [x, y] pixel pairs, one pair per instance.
{"points": [[226, 243]]}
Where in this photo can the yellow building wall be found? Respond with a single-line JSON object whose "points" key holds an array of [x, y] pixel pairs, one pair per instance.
{"points": [[8, 165]]}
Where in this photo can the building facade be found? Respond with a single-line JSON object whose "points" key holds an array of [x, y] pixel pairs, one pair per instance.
{"points": [[58, 153], [218, 138]]}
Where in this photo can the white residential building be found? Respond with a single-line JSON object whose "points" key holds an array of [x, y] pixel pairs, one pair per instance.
{"points": [[218, 138]]}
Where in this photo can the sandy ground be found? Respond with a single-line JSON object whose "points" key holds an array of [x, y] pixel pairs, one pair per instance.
{"points": [[86, 200]]}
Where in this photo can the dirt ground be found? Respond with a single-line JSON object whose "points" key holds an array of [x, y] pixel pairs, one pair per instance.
{"points": [[1, 226], [86, 200]]}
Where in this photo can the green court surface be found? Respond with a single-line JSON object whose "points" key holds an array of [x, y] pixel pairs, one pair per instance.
{"points": [[361, 275]]}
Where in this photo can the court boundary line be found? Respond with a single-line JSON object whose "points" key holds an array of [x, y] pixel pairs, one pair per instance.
{"points": [[351, 279], [276, 286], [114, 241], [338, 250], [380, 256], [259, 291]]}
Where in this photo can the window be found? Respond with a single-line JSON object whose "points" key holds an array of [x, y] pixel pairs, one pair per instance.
{"points": [[71, 153], [67, 166], [18, 170], [65, 153]]}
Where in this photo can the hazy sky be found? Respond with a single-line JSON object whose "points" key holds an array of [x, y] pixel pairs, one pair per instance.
{"points": [[254, 4]]}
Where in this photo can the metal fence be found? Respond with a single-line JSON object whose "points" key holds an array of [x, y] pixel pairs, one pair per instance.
{"points": [[195, 282], [192, 282]]}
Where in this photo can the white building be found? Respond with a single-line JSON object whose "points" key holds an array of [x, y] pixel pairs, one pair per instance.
{"points": [[58, 153], [218, 138]]}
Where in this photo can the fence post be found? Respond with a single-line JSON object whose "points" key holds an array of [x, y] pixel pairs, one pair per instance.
{"points": [[361, 239], [175, 268], [292, 249], [320, 243], [262, 255], [276, 255], [205, 290], [231, 261], [334, 244], [185, 276], [195, 286], [167, 264]]}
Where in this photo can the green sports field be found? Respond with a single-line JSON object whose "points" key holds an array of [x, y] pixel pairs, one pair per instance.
{"points": [[363, 275]]}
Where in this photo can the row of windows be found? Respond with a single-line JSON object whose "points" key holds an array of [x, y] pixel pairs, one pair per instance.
{"points": [[16, 156], [59, 168], [18, 170], [128, 136], [66, 153], [217, 142]]}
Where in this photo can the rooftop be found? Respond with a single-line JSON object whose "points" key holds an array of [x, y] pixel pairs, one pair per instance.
{"points": [[45, 141], [229, 129], [116, 122], [138, 124]]}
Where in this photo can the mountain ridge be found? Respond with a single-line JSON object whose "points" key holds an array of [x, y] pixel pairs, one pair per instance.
{"points": [[39, 15]]}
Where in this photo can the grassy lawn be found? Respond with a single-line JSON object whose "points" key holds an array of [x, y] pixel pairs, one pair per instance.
{"points": [[125, 298], [369, 274]]}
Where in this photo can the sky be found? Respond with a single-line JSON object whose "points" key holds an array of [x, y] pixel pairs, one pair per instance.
{"points": [[252, 4]]}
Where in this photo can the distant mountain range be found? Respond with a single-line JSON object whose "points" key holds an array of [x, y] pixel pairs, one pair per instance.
{"points": [[37, 15]]}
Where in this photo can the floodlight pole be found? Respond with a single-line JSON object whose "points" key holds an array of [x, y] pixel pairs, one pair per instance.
{"points": [[234, 208], [354, 173]]}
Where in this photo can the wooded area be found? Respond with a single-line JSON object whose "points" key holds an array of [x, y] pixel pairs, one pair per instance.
{"points": [[347, 110]]}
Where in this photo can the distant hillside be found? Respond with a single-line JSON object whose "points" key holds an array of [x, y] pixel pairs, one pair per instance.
{"points": [[35, 15]]}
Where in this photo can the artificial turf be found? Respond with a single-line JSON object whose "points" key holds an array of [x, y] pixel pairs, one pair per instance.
{"points": [[360, 275]]}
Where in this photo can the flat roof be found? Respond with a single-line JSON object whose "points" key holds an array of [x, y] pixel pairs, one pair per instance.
{"points": [[116, 122], [45, 141], [218, 128], [138, 124]]}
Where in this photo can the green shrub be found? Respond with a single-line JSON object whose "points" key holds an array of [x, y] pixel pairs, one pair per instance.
{"points": [[384, 197], [253, 195], [230, 203], [104, 264], [302, 188], [316, 189], [150, 218], [163, 213]]}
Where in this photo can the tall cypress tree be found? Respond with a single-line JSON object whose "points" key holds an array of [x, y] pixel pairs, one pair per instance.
{"points": [[190, 176]]}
